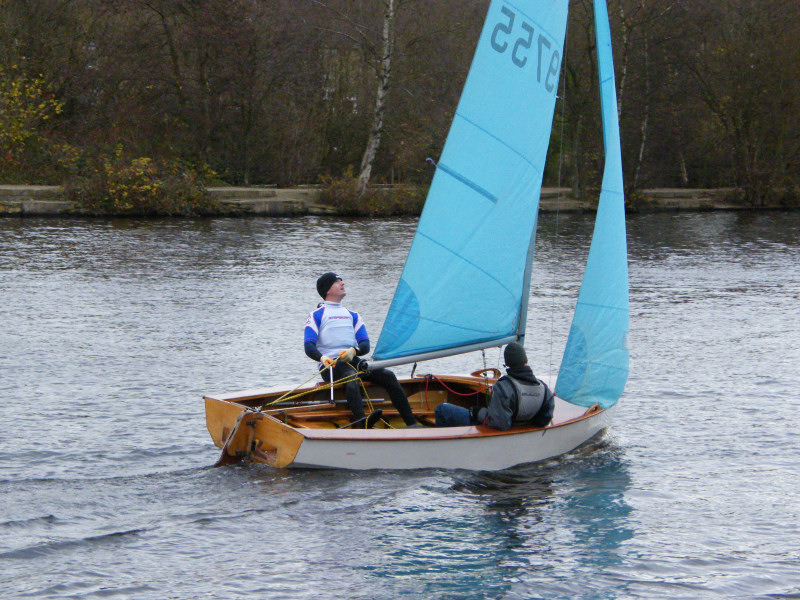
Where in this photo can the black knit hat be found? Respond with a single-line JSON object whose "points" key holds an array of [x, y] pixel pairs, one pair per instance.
{"points": [[514, 355], [325, 282]]}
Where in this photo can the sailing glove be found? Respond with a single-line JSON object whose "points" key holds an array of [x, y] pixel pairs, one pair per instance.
{"points": [[347, 355], [327, 361]]}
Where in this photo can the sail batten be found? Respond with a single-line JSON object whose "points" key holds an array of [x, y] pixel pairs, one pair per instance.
{"points": [[468, 182]]}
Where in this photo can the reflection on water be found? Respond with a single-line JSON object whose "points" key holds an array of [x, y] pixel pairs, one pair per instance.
{"points": [[532, 509], [113, 329]]}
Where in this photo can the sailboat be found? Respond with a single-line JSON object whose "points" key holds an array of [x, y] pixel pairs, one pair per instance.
{"points": [[478, 227]]}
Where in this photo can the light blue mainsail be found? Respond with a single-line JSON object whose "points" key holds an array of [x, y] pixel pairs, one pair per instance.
{"points": [[595, 364], [466, 280]]}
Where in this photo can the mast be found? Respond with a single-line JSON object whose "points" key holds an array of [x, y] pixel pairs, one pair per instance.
{"points": [[526, 287]]}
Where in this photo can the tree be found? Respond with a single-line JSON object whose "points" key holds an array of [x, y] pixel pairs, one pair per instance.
{"points": [[744, 71], [381, 96], [25, 105], [281, 91], [647, 86], [435, 45], [356, 24]]}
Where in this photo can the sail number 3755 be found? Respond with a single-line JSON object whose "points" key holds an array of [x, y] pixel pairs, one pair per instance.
{"points": [[522, 48]]}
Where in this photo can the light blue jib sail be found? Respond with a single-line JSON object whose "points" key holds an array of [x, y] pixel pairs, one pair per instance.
{"points": [[595, 364], [465, 284]]}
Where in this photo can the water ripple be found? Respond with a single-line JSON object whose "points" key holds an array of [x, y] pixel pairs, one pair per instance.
{"points": [[114, 329]]}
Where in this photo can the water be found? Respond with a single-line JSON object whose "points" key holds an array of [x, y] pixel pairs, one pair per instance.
{"points": [[111, 331]]}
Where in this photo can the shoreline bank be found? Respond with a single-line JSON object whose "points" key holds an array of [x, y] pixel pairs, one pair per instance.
{"points": [[40, 201]]}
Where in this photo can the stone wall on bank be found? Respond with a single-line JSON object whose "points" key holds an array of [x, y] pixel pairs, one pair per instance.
{"points": [[40, 200]]}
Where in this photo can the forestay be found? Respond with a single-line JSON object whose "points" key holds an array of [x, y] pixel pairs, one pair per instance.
{"points": [[466, 280], [595, 364]]}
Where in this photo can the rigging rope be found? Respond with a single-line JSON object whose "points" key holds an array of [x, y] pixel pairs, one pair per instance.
{"points": [[290, 395], [452, 391]]}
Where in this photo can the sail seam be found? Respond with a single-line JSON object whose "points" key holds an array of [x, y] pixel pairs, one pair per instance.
{"points": [[494, 137], [446, 323], [469, 262], [609, 306]]}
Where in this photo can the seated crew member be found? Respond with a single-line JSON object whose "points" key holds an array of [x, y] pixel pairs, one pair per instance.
{"points": [[518, 398], [337, 336]]}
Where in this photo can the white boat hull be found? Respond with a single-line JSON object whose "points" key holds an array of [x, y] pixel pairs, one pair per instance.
{"points": [[465, 448]]}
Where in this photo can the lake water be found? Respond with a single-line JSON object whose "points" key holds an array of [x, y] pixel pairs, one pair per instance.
{"points": [[112, 330]]}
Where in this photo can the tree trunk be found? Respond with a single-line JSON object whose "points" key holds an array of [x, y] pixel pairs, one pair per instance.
{"points": [[684, 170], [624, 62], [384, 77], [178, 83], [645, 117], [577, 158]]}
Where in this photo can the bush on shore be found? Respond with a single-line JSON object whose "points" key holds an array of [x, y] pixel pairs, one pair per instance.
{"points": [[141, 186], [377, 201], [99, 180]]}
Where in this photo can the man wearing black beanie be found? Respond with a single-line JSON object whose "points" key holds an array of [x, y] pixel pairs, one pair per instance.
{"points": [[336, 338]]}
